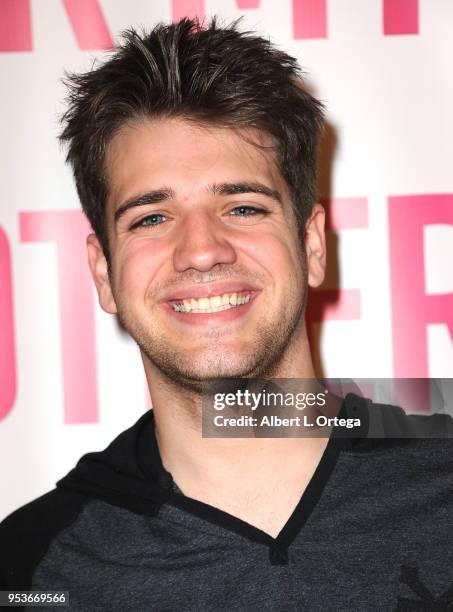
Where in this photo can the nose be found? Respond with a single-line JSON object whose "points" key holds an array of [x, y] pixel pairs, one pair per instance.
{"points": [[202, 243]]}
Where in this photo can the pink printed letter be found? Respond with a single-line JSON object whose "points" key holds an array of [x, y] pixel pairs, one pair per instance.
{"points": [[338, 304], [68, 229], [400, 17], [412, 309], [187, 8], [85, 16], [310, 18], [88, 23], [7, 348], [248, 4], [15, 25]]}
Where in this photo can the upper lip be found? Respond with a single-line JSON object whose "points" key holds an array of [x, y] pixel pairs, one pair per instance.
{"points": [[210, 289]]}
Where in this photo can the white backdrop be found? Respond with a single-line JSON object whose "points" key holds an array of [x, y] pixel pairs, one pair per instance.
{"points": [[69, 380]]}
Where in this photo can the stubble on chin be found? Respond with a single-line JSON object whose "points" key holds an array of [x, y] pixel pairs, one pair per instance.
{"points": [[259, 358]]}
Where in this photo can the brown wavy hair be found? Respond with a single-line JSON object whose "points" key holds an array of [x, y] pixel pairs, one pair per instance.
{"points": [[205, 73]]}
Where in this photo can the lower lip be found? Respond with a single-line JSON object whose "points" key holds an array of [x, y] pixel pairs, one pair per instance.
{"points": [[215, 318]]}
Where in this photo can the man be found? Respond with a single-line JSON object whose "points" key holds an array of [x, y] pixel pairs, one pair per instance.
{"points": [[194, 153]]}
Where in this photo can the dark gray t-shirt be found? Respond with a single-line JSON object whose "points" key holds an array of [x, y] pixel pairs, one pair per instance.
{"points": [[372, 531]]}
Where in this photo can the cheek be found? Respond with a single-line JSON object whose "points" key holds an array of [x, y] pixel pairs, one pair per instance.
{"points": [[277, 253], [136, 266]]}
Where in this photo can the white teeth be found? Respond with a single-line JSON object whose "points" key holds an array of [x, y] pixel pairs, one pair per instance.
{"points": [[216, 303]]}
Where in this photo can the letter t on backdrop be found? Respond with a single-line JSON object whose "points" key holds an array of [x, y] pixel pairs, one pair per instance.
{"points": [[67, 229]]}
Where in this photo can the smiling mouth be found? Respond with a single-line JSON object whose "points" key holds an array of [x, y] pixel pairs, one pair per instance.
{"points": [[215, 303]]}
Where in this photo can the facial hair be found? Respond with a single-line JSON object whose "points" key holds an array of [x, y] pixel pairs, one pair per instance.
{"points": [[271, 339]]}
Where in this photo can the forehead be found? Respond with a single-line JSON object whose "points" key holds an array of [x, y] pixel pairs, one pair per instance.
{"points": [[152, 153]]}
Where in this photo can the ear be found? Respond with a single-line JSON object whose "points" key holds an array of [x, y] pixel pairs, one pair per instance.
{"points": [[99, 272], [315, 246]]}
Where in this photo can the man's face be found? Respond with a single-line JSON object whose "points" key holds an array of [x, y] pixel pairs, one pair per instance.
{"points": [[208, 274]]}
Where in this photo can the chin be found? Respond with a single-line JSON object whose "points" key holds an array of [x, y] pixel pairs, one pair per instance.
{"points": [[192, 373], [212, 367]]}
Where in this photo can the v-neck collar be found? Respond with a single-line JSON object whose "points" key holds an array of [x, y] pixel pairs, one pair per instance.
{"points": [[152, 466]]}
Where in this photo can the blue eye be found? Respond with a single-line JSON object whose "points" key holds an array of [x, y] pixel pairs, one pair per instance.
{"points": [[150, 220], [246, 211]]}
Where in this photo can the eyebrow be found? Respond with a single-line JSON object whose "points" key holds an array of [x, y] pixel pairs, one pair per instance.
{"points": [[222, 189], [234, 188], [150, 197]]}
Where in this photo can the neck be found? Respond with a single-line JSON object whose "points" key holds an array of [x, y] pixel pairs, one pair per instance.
{"points": [[191, 458]]}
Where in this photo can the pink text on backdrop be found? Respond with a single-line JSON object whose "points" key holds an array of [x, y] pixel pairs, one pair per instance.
{"points": [[400, 17], [336, 303], [85, 16], [309, 18], [412, 309], [7, 343], [67, 229]]}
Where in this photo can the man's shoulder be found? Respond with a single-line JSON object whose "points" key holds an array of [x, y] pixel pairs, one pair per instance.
{"points": [[40, 511], [386, 427], [26, 534], [436, 448]]}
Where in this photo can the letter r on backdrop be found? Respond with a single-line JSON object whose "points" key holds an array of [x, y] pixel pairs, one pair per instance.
{"points": [[412, 309]]}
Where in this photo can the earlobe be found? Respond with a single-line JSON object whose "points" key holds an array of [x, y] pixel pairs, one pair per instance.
{"points": [[99, 272], [315, 245]]}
